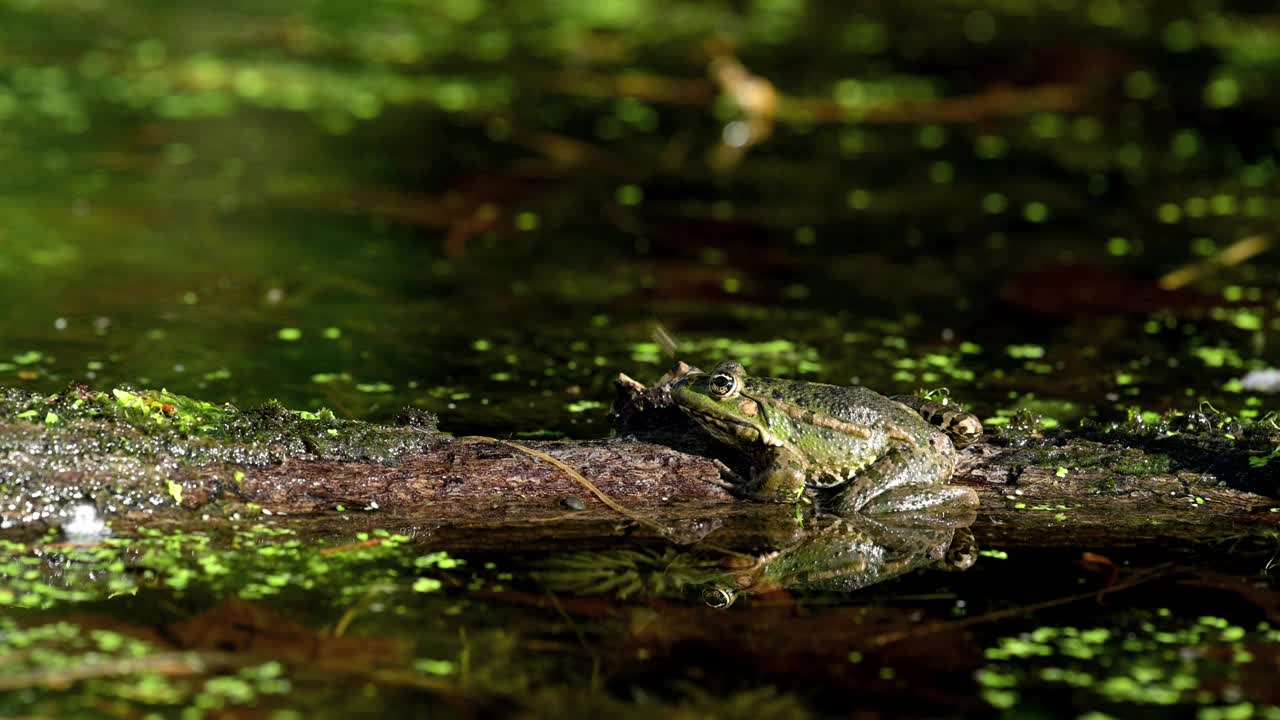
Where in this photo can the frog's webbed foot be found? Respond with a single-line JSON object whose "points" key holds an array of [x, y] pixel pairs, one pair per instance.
{"points": [[963, 428], [727, 472], [728, 480], [732, 482]]}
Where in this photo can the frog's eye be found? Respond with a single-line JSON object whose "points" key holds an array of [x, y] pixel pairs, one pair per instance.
{"points": [[724, 385], [719, 597]]}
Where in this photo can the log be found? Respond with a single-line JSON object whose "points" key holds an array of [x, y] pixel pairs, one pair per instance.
{"points": [[159, 460]]}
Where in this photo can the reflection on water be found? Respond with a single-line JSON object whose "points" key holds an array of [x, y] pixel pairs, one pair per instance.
{"points": [[851, 553], [827, 553]]}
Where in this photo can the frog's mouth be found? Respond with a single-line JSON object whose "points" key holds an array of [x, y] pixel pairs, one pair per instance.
{"points": [[730, 427], [722, 422]]}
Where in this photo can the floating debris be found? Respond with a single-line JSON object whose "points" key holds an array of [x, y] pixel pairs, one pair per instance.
{"points": [[1266, 380]]}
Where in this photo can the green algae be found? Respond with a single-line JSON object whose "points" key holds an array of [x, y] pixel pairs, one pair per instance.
{"points": [[1236, 449], [61, 649], [1094, 457], [164, 417], [1150, 660], [378, 573], [142, 450], [778, 356], [252, 563]]}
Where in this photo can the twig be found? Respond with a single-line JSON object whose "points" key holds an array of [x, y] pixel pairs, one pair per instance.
{"points": [[582, 639], [371, 542], [578, 478], [993, 103], [609, 502], [1234, 254], [888, 638]]}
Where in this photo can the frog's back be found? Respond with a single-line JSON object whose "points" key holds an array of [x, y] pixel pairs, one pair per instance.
{"points": [[856, 406]]}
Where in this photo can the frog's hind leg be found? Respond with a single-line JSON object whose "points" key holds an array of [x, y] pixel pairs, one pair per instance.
{"points": [[942, 504], [906, 481]]}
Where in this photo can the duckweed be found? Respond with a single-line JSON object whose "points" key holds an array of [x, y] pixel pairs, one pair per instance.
{"points": [[252, 563], [1148, 663]]}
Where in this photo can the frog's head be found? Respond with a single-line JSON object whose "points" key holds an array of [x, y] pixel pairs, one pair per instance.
{"points": [[720, 403]]}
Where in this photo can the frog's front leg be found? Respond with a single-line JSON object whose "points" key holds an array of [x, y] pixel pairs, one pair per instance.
{"points": [[907, 478], [781, 479]]}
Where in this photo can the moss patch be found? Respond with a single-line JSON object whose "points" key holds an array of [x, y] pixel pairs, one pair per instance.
{"points": [[138, 450]]}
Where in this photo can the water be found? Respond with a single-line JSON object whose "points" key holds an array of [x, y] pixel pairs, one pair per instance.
{"points": [[481, 211]]}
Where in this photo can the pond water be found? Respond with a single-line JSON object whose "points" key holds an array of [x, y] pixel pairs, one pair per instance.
{"points": [[1055, 210]]}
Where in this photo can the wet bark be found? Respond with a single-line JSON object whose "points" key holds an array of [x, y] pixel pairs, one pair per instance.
{"points": [[1064, 491], [464, 486]]}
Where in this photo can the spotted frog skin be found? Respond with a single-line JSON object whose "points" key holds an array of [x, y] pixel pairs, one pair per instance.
{"points": [[877, 454]]}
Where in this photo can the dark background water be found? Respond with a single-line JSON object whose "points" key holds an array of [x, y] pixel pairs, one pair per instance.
{"points": [[483, 208]]}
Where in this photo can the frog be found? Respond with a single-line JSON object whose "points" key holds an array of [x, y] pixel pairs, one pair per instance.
{"points": [[870, 453]]}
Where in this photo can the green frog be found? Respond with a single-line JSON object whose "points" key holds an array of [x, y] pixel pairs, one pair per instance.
{"points": [[878, 454]]}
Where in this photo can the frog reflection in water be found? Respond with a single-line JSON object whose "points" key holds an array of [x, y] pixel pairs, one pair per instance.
{"points": [[853, 552], [830, 552], [876, 453]]}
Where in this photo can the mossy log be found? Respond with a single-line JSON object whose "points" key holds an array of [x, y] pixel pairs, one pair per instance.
{"points": [[154, 459]]}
